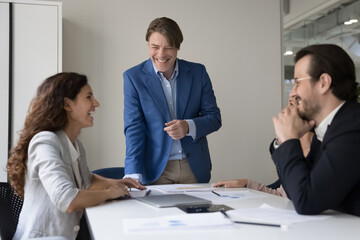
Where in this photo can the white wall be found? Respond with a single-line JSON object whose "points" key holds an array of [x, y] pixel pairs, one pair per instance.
{"points": [[239, 41]]}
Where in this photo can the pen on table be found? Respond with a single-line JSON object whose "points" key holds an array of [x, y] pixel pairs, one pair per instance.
{"points": [[251, 223], [215, 193], [147, 192]]}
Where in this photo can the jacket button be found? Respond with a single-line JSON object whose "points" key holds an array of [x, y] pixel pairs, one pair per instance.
{"points": [[76, 228]]}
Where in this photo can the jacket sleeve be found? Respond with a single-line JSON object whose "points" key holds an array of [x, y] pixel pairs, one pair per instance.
{"points": [[323, 182], [209, 119], [134, 128], [45, 156]]}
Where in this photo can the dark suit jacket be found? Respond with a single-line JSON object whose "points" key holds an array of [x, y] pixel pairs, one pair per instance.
{"points": [[329, 178], [146, 112]]}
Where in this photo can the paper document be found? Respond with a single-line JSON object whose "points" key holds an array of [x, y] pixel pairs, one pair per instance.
{"points": [[180, 188], [220, 197], [180, 222], [269, 214]]}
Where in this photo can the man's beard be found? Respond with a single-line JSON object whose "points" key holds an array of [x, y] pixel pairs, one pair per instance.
{"points": [[303, 116], [309, 111]]}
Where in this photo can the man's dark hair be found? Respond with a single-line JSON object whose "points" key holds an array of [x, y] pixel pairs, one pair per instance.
{"points": [[333, 60]]}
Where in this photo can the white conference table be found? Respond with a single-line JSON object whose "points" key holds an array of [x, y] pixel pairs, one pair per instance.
{"points": [[106, 222]]}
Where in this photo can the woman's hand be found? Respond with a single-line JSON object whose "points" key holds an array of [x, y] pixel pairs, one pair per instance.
{"points": [[237, 183], [99, 183], [131, 183], [120, 187], [91, 197], [116, 191]]}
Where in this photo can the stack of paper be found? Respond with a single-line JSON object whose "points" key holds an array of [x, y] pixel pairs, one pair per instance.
{"points": [[269, 214]]}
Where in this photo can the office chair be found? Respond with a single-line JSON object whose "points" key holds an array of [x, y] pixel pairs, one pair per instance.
{"points": [[112, 172], [10, 208]]}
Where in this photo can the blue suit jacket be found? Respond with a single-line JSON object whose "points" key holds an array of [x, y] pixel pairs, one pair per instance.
{"points": [[146, 111]]}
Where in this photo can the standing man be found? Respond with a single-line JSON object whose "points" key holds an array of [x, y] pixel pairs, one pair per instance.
{"points": [[329, 177], [169, 109]]}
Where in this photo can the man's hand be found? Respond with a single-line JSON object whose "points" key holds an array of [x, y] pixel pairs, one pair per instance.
{"points": [[289, 125], [177, 129]]}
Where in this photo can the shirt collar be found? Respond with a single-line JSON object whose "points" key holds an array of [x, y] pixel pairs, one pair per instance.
{"points": [[321, 129], [175, 73], [74, 151]]}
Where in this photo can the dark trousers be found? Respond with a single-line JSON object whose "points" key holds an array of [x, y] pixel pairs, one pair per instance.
{"points": [[84, 233]]}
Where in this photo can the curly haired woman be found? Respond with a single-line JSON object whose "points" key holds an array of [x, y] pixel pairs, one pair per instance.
{"points": [[48, 168]]}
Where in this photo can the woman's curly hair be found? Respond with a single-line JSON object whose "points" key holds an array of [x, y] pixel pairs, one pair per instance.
{"points": [[46, 113]]}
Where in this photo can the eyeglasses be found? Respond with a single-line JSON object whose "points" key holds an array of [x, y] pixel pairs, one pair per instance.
{"points": [[295, 81]]}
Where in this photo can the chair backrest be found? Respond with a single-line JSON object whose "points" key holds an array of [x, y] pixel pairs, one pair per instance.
{"points": [[10, 208], [112, 172]]}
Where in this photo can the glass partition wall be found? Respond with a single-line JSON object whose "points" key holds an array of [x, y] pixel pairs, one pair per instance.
{"points": [[340, 25]]}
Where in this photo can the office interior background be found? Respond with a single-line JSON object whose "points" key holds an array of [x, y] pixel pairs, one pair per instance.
{"points": [[336, 24], [242, 44]]}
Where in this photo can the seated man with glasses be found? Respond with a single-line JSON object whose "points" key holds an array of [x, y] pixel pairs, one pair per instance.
{"points": [[325, 92]]}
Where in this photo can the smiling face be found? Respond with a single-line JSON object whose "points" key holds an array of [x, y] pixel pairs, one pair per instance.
{"points": [[81, 109], [162, 54], [305, 92]]}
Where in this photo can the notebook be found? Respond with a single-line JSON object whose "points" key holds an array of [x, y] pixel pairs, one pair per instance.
{"points": [[173, 200]]}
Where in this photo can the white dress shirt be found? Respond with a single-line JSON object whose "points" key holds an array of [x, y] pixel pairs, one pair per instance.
{"points": [[320, 130]]}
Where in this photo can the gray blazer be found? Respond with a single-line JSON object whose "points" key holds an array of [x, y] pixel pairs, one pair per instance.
{"points": [[50, 187]]}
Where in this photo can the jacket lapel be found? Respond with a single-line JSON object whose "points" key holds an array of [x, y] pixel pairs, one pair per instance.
{"points": [[153, 84], [66, 154], [65, 146], [183, 85]]}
